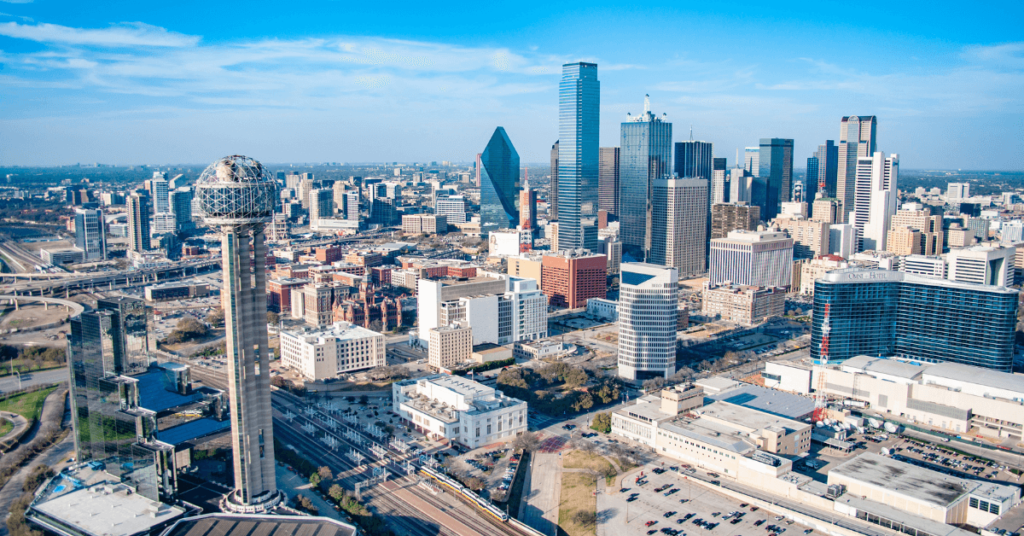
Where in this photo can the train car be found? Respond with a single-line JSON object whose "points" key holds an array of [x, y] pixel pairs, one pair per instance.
{"points": [[454, 485], [443, 479]]}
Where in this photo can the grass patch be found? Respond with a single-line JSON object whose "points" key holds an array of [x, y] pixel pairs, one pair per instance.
{"points": [[577, 502], [28, 405], [578, 459], [5, 427]]}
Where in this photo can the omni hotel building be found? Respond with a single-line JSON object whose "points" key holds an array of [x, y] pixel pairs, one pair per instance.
{"points": [[881, 313]]}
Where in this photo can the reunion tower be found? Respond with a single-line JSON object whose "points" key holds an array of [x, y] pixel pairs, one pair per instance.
{"points": [[237, 194]]}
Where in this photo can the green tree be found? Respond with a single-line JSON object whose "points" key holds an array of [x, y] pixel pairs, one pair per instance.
{"points": [[602, 422], [216, 317], [336, 492], [314, 479], [325, 473], [273, 318]]}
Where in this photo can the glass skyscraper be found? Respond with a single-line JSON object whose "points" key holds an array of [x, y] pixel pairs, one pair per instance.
{"points": [[645, 155], [881, 313], [772, 185], [499, 184], [579, 117], [811, 181], [826, 173]]}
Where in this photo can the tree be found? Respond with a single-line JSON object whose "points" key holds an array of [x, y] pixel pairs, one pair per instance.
{"points": [[583, 401], [216, 317], [377, 326], [273, 318], [325, 473], [336, 492], [602, 423], [574, 378], [363, 400], [314, 479], [187, 329], [585, 518], [654, 384], [527, 442], [474, 483]]}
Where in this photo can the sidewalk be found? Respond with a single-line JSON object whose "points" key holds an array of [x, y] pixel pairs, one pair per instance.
{"points": [[542, 493]]}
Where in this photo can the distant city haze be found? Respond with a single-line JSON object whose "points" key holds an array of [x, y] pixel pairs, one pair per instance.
{"points": [[329, 81]]}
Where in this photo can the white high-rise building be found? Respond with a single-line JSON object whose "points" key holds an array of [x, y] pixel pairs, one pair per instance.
{"points": [[875, 199], [453, 207], [648, 305], [842, 240], [751, 161], [679, 213], [958, 190], [89, 234], [501, 309], [754, 258], [164, 222], [982, 265], [927, 265], [160, 192]]}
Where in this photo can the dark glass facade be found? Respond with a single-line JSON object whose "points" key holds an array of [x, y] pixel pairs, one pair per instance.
{"points": [[579, 117], [881, 313], [499, 184], [811, 181], [645, 155], [774, 181], [827, 171], [608, 181]]}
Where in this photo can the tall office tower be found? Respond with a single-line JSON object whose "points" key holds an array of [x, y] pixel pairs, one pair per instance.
{"points": [[237, 194], [824, 179], [579, 121], [739, 185], [868, 312], [350, 205], [693, 160], [678, 225], [648, 307], [528, 211], [755, 258], [479, 165], [719, 182], [825, 209], [608, 181], [773, 184], [811, 180], [305, 186], [181, 207], [569, 278], [729, 217], [159, 193], [138, 222], [810, 238], [104, 344], [89, 234], [339, 189], [321, 206], [499, 184], [875, 199], [553, 186], [958, 190], [919, 217], [646, 156], [856, 139], [751, 160]]}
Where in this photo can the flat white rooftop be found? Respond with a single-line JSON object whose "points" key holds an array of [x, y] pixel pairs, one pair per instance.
{"points": [[911, 481], [108, 510]]}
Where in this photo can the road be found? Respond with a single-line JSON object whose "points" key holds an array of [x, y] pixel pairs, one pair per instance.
{"points": [[10, 383]]}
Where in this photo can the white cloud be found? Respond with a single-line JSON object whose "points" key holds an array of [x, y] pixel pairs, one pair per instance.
{"points": [[124, 35]]}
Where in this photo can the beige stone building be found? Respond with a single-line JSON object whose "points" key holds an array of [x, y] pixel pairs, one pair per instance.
{"points": [[916, 216], [746, 306], [810, 238], [528, 266], [449, 346], [727, 217], [816, 268], [825, 209], [903, 241], [958, 237], [424, 224]]}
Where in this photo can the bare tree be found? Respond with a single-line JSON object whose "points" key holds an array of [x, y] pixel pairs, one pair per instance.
{"points": [[527, 442]]}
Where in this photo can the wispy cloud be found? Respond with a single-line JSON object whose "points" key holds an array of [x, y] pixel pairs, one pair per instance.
{"points": [[17, 1], [128, 34]]}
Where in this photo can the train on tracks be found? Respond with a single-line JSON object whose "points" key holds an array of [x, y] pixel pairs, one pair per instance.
{"points": [[457, 487]]}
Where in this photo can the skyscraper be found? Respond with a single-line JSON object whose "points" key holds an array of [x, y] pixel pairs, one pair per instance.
{"points": [[138, 222], [181, 207], [678, 225], [875, 199], [579, 117], [553, 187], [719, 181], [648, 308], [608, 181], [824, 179], [528, 211], [811, 180], [89, 234], [693, 160], [321, 206], [159, 193], [237, 193], [646, 156], [751, 157], [856, 139], [499, 184], [772, 185]]}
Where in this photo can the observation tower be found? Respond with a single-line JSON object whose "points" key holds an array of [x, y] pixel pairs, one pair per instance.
{"points": [[237, 194]]}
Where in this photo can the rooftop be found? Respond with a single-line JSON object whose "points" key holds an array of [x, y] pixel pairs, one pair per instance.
{"points": [[106, 509], [339, 331], [889, 367], [749, 418], [869, 275], [157, 391], [192, 430], [977, 376], [920, 523], [712, 433], [254, 525], [917, 483], [767, 400]]}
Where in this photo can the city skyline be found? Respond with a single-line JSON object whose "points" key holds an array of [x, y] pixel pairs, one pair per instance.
{"points": [[162, 88]]}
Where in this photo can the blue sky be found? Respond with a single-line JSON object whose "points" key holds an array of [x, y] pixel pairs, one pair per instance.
{"points": [[304, 81]]}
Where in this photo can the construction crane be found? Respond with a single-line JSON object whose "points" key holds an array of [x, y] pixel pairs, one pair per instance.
{"points": [[820, 398]]}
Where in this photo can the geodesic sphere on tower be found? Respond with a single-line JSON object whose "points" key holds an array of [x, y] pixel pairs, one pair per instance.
{"points": [[236, 190]]}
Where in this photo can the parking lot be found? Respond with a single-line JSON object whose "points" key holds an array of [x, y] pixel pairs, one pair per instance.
{"points": [[678, 506]]}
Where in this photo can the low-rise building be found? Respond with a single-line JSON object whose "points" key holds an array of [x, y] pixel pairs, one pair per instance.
{"points": [[603, 308], [323, 354], [545, 349], [743, 305], [176, 291], [458, 410], [61, 257], [424, 224]]}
